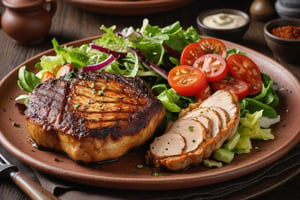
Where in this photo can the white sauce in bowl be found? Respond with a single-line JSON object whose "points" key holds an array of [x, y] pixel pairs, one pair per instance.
{"points": [[224, 21]]}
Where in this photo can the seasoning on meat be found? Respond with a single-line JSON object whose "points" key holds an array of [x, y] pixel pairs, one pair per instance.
{"points": [[68, 115]]}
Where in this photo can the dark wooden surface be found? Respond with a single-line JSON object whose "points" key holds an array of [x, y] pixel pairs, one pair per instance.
{"points": [[71, 23]]}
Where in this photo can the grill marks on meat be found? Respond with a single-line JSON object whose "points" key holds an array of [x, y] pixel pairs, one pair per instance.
{"points": [[113, 107], [218, 117], [104, 107]]}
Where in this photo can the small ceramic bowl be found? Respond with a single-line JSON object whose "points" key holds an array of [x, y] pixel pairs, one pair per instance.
{"points": [[283, 49], [235, 33], [288, 8]]}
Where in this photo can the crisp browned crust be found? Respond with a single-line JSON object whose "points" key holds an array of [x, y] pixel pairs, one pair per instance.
{"points": [[93, 116]]}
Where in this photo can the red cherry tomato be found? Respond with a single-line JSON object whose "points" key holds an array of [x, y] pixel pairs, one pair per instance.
{"points": [[187, 80], [239, 87], [47, 76], [213, 45], [190, 53], [213, 65], [243, 68]]}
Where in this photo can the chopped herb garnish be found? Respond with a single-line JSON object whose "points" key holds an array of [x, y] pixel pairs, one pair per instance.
{"points": [[16, 124], [81, 120], [76, 106], [191, 128], [101, 92], [257, 148], [156, 174], [140, 166], [92, 85], [68, 76]]}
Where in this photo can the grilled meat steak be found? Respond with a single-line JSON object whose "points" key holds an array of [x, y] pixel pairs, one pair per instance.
{"points": [[197, 133], [93, 116]]}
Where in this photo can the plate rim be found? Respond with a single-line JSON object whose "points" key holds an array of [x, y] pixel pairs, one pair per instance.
{"points": [[129, 7], [151, 182]]}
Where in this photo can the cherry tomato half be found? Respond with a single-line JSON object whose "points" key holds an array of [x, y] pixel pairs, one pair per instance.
{"points": [[190, 53], [239, 87], [213, 65], [243, 68], [213, 45], [187, 80]]}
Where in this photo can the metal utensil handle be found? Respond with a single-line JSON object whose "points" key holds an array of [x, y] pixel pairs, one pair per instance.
{"points": [[31, 188]]}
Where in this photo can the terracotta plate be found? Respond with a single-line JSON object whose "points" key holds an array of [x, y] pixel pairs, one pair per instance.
{"points": [[124, 174], [129, 7]]}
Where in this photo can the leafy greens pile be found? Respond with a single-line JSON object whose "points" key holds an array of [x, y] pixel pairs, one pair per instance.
{"points": [[150, 52]]}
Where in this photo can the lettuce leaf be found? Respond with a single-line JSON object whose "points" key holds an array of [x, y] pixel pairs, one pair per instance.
{"points": [[250, 126]]}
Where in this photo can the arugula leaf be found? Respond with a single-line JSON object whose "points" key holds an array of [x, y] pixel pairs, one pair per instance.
{"points": [[265, 100], [78, 56], [268, 94], [251, 105], [234, 51], [27, 80], [172, 101]]}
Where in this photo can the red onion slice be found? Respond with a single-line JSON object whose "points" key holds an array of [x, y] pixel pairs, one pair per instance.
{"points": [[150, 64], [101, 65], [171, 51], [116, 54]]}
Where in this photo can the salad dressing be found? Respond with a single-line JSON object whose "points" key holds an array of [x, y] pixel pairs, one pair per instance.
{"points": [[224, 21]]}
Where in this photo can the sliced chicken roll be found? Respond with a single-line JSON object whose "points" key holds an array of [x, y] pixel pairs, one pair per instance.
{"points": [[216, 119]]}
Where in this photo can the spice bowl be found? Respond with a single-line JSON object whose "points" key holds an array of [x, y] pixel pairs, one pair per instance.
{"points": [[283, 49], [228, 24]]}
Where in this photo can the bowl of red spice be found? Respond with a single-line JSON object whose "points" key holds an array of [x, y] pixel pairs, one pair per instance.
{"points": [[282, 36]]}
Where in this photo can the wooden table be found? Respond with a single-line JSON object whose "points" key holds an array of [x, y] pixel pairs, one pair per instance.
{"points": [[71, 23]]}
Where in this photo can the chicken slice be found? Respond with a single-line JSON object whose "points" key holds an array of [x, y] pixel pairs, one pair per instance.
{"points": [[167, 145], [221, 137], [191, 130], [230, 103], [223, 115], [206, 122], [210, 113]]}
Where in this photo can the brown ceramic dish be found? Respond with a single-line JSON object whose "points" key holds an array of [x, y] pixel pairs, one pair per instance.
{"points": [[283, 49], [228, 34], [122, 7], [124, 174]]}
